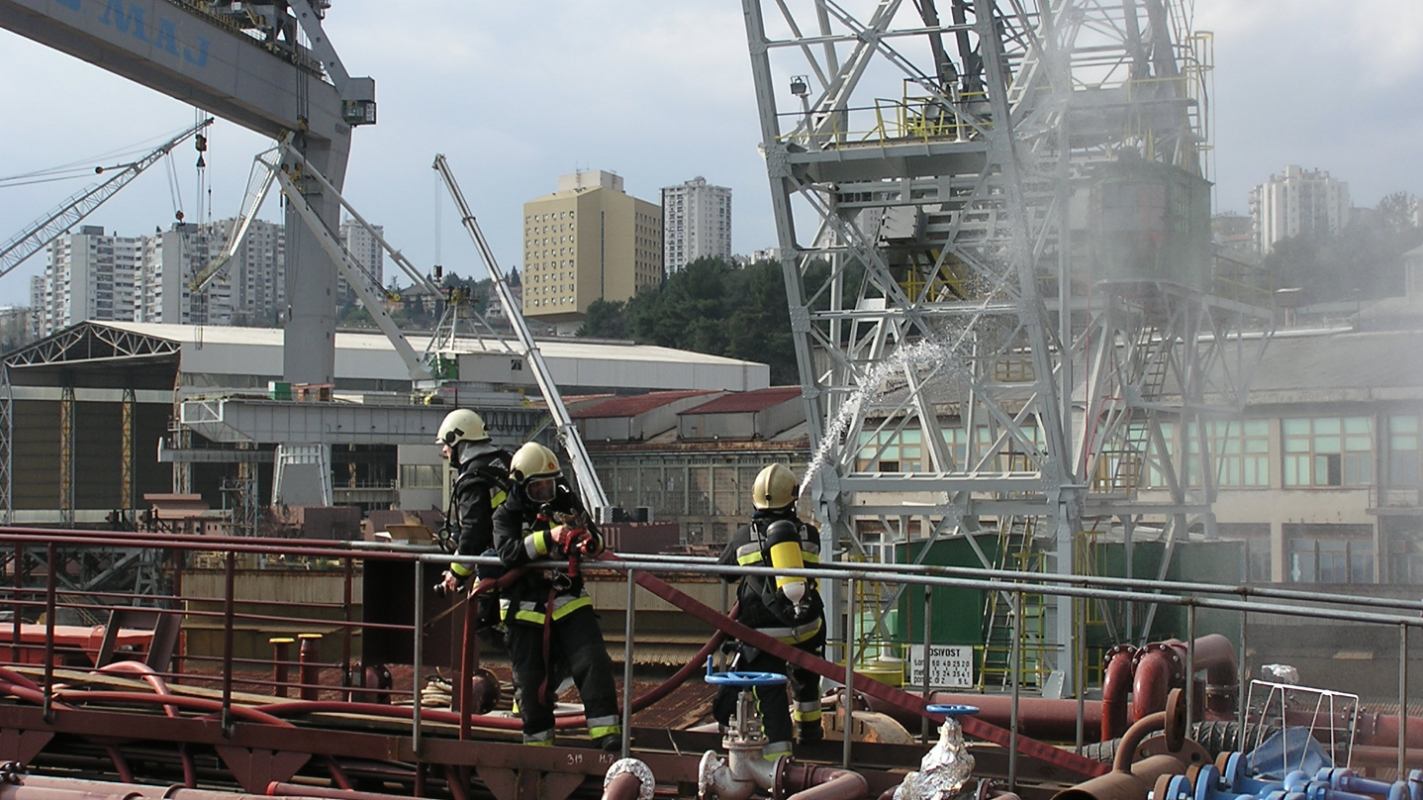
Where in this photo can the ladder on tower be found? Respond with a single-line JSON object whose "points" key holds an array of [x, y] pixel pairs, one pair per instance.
{"points": [[1016, 551], [1122, 465]]}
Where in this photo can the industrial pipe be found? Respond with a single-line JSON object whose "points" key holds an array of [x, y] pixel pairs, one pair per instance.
{"points": [[623, 786], [276, 788], [1128, 785], [1156, 668], [1215, 654], [281, 657], [811, 782], [309, 669], [629, 779], [36, 787], [1037, 717], [1116, 688], [1131, 740]]}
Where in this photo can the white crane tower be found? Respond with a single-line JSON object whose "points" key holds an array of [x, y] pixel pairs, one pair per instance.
{"points": [[993, 223]]}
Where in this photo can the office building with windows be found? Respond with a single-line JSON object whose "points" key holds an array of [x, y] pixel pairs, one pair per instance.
{"points": [[587, 241]]}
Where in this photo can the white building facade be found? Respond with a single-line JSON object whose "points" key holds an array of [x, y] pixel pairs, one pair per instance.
{"points": [[696, 223], [1298, 202], [368, 253], [92, 275]]}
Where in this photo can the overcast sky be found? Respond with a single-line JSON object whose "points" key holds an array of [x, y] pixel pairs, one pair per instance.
{"points": [[659, 92]]}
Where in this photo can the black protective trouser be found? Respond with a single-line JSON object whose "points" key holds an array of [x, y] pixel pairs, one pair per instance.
{"points": [[575, 644], [771, 700]]}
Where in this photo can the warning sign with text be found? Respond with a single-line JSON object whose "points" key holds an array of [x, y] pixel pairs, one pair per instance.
{"points": [[950, 666]]}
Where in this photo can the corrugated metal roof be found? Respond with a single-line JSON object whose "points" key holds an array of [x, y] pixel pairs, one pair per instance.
{"points": [[1348, 363], [742, 402], [632, 405], [573, 363]]}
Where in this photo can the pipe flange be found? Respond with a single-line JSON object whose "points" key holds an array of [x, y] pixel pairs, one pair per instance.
{"points": [[706, 770], [1175, 729], [646, 784]]}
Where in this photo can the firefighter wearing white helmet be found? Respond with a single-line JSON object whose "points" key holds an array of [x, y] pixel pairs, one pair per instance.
{"points": [[786, 607], [480, 487], [552, 628]]}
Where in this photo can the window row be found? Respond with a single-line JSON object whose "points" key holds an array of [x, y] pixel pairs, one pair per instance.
{"points": [[1312, 452]]}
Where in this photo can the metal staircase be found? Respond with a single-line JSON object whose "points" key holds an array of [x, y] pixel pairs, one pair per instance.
{"points": [[1016, 551]]}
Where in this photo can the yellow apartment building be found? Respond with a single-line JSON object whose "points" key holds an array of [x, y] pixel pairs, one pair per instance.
{"points": [[587, 241]]}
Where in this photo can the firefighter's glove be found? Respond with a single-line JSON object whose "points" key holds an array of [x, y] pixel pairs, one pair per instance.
{"points": [[449, 584], [573, 541], [580, 543]]}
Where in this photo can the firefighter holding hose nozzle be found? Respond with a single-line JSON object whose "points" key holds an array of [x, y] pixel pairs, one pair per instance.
{"points": [[551, 623]]}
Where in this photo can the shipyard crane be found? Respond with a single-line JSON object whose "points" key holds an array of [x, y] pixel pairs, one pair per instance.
{"points": [[1001, 321], [265, 171], [251, 69], [247, 68], [34, 237]]}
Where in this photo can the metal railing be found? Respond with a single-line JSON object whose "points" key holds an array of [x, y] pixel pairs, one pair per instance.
{"points": [[25, 596]]}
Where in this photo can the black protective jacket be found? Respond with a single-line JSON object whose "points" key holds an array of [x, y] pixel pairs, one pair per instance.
{"points": [[523, 532], [480, 487], [762, 605]]}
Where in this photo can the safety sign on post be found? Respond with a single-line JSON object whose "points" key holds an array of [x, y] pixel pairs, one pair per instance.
{"points": [[950, 666]]}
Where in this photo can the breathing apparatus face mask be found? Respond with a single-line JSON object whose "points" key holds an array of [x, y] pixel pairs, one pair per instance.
{"points": [[541, 490]]}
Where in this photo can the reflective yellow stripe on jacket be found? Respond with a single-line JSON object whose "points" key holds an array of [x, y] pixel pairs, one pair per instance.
{"points": [[563, 605]]}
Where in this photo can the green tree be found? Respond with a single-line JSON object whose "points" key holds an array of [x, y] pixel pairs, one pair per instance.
{"points": [[606, 320]]}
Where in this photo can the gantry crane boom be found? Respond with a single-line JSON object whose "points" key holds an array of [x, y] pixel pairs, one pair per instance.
{"points": [[209, 55], [590, 488], [34, 237], [250, 206], [290, 162]]}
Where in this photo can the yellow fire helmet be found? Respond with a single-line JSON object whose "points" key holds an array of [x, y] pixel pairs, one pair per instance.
{"points": [[775, 487], [462, 425], [533, 460]]}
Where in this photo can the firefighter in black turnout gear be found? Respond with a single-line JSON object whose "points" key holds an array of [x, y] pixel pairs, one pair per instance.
{"points": [[481, 486], [549, 615], [787, 608]]}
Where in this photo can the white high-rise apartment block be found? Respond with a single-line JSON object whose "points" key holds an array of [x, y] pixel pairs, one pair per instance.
{"points": [[1298, 202], [368, 253], [90, 275], [167, 264], [258, 272], [696, 223]]}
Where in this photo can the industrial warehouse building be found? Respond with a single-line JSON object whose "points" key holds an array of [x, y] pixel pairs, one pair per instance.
{"points": [[90, 412]]}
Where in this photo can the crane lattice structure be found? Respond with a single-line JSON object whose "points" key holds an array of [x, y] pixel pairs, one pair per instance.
{"points": [[993, 222]]}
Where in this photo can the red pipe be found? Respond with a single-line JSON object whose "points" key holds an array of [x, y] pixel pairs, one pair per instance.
{"points": [[1116, 686], [248, 713], [454, 780], [1385, 733], [308, 668], [623, 786], [1037, 717], [300, 790], [811, 782], [1131, 740], [38, 787], [281, 658], [338, 775], [120, 765], [1151, 680], [148, 675]]}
